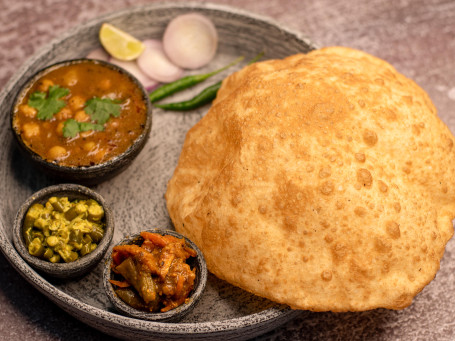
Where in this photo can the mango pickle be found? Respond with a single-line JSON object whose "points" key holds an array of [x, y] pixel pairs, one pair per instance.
{"points": [[62, 230]]}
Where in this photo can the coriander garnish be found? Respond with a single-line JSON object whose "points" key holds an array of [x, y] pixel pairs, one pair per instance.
{"points": [[72, 127], [50, 105], [100, 109]]}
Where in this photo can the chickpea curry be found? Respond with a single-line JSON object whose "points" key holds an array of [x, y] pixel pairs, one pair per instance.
{"points": [[81, 114], [153, 276]]}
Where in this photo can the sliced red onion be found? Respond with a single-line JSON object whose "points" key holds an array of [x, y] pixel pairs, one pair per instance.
{"points": [[190, 40], [132, 67], [154, 63], [99, 54], [151, 87]]}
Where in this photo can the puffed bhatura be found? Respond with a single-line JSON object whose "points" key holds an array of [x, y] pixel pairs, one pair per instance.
{"points": [[323, 181]]}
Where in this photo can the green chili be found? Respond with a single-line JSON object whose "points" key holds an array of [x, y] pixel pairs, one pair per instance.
{"points": [[256, 58], [205, 96], [185, 82]]}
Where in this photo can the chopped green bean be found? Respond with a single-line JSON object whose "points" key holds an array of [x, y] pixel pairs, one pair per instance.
{"points": [[32, 214], [95, 212], [96, 234], [86, 239], [55, 259], [37, 234], [46, 215], [40, 223], [28, 237], [81, 208], [85, 249], [57, 204], [36, 248], [68, 256], [132, 298], [46, 231], [48, 254], [61, 230], [71, 213], [52, 241], [75, 239]]}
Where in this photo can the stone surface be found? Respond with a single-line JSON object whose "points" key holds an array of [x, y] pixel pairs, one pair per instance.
{"points": [[415, 36]]}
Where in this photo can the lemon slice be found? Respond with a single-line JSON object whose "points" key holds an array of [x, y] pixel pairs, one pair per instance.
{"points": [[120, 44]]}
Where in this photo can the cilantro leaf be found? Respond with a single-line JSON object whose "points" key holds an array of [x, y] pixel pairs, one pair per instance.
{"points": [[72, 127], [100, 109], [48, 107], [85, 126]]}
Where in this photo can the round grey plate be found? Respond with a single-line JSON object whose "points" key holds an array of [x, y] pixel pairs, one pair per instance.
{"points": [[136, 195]]}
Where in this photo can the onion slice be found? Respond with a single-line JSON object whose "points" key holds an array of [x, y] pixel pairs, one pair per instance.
{"points": [[190, 40], [154, 63], [132, 67], [99, 54]]}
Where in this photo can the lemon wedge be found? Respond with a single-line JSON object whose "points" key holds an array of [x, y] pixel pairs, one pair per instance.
{"points": [[120, 44]]}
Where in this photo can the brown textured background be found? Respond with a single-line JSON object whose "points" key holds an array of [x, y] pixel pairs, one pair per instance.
{"points": [[417, 37]]}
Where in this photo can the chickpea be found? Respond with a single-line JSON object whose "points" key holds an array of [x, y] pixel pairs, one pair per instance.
{"points": [[112, 124], [99, 155], [105, 84], [76, 102], [28, 111], [45, 84], [56, 153], [59, 128], [64, 114], [70, 78], [46, 127], [81, 116], [86, 134], [30, 130], [89, 146]]}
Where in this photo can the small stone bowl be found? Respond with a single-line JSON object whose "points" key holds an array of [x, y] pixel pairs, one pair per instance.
{"points": [[175, 314], [91, 174], [83, 264]]}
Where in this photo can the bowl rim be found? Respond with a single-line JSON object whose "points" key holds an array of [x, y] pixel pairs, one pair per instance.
{"points": [[117, 160], [84, 263], [173, 314]]}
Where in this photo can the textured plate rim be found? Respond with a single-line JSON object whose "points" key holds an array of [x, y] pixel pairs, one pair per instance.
{"points": [[61, 298]]}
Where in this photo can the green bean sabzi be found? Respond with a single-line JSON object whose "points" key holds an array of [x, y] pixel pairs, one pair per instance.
{"points": [[204, 97]]}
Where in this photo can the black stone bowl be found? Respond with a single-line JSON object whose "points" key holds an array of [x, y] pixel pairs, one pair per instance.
{"points": [[175, 314], [83, 264], [93, 174]]}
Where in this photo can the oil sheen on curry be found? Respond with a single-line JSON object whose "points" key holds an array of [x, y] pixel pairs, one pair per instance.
{"points": [[81, 114]]}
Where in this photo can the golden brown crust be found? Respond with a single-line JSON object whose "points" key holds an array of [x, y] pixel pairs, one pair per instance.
{"points": [[323, 181]]}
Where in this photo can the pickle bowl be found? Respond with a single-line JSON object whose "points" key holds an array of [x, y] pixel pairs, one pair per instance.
{"points": [[43, 136], [84, 263], [174, 315]]}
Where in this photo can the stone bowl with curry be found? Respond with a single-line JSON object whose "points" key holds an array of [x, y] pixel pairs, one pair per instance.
{"points": [[155, 275], [82, 120]]}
